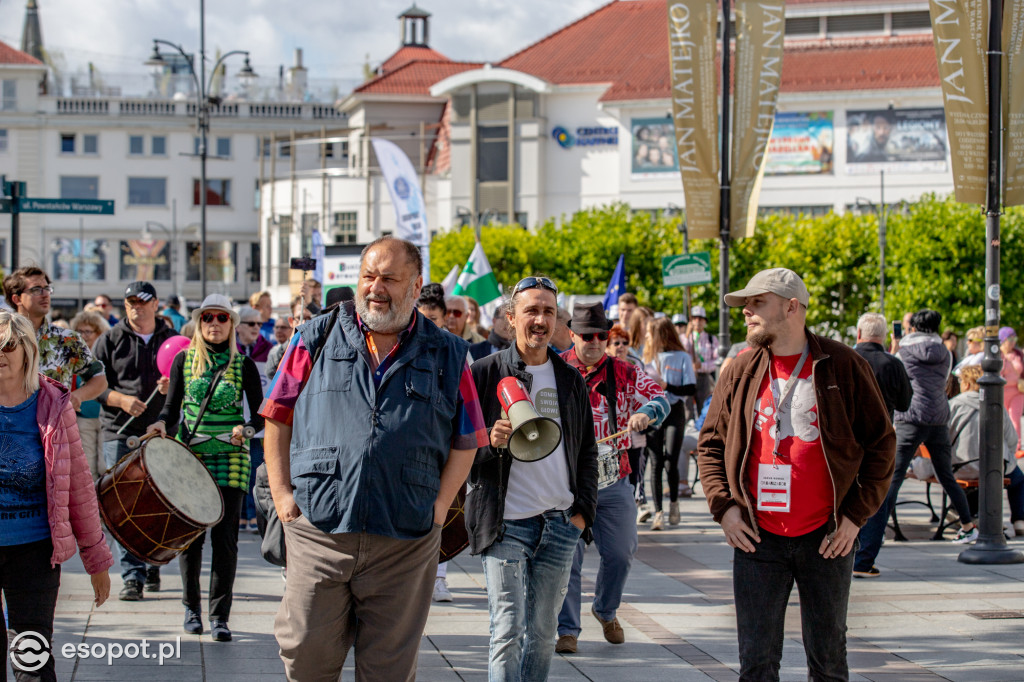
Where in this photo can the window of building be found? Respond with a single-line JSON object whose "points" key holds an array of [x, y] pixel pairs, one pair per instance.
{"points": [[345, 224], [136, 145], [195, 146], [263, 144], [67, 143], [903, 21], [79, 187], [147, 191], [284, 232], [3, 140], [9, 95], [90, 144], [218, 192], [159, 145], [857, 23], [310, 222], [492, 154], [327, 150], [224, 146], [803, 26], [285, 150]]}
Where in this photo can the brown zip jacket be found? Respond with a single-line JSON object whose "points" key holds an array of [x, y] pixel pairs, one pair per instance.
{"points": [[856, 434]]}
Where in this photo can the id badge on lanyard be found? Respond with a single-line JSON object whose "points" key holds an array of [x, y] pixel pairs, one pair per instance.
{"points": [[775, 481]]}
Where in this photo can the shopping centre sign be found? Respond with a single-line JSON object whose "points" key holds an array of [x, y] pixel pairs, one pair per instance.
{"points": [[586, 136]]}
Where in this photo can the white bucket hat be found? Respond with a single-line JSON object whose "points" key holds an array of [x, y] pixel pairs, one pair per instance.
{"points": [[216, 302]]}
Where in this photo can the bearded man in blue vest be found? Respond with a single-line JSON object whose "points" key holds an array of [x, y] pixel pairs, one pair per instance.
{"points": [[372, 425]]}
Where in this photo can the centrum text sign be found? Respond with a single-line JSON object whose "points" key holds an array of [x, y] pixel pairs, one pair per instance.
{"points": [[93, 206], [686, 269]]}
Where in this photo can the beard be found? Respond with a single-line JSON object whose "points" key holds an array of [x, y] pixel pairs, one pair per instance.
{"points": [[392, 321], [760, 338], [538, 329]]}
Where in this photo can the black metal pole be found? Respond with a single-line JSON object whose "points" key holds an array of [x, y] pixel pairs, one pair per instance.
{"points": [[990, 547], [725, 229], [15, 227], [881, 244]]}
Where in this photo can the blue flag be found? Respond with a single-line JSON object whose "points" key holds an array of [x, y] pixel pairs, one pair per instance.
{"points": [[616, 287]]}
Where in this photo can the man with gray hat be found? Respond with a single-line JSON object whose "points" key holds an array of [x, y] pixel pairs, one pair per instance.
{"points": [[625, 401], [703, 349], [795, 456]]}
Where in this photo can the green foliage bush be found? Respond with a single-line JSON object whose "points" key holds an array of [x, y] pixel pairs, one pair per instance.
{"points": [[935, 257]]}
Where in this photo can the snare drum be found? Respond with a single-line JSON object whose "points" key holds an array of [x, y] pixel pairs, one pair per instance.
{"points": [[158, 499], [607, 465]]}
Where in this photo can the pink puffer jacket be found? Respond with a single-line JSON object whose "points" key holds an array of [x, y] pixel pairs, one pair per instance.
{"points": [[70, 494]]}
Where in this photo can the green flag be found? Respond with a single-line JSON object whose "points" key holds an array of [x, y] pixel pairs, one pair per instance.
{"points": [[476, 279]]}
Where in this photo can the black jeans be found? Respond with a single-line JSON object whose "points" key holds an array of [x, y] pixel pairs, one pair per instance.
{"points": [[762, 582], [936, 439], [29, 588], [224, 542], [663, 447]]}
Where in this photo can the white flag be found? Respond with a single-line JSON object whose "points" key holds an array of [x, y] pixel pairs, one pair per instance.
{"points": [[404, 187]]}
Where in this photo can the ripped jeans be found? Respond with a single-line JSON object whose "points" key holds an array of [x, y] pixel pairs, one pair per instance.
{"points": [[527, 573]]}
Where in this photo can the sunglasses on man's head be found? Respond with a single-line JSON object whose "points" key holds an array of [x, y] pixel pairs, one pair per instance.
{"points": [[601, 336], [533, 282], [220, 317]]}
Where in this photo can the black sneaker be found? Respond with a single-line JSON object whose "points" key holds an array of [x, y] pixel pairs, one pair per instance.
{"points": [[872, 572], [132, 591], [153, 579], [193, 622], [219, 630]]}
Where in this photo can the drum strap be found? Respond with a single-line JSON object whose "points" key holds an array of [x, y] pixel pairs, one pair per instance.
{"points": [[190, 433]]}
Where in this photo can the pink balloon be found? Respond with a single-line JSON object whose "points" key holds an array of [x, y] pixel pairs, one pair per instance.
{"points": [[168, 351]]}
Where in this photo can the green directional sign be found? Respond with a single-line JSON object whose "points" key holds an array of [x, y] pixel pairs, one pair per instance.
{"points": [[5, 205], [90, 206], [688, 269]]}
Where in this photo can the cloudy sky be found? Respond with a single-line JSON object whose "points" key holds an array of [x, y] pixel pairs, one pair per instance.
{"points": [[336, 35]]}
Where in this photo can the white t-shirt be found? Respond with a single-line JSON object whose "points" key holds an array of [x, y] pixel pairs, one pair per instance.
{"points": [[536, 487]]}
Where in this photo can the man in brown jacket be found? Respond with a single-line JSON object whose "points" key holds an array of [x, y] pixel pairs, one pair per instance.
{"points": [[795, 455]]}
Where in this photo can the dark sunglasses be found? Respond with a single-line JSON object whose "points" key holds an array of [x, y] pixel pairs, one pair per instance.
{"points": [[620, 343], [251, 324], [601, 336], [533, 282], [455, 313], [220, 317], [11, 346]]}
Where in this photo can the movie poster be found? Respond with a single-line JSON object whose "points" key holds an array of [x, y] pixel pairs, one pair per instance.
{"points": [[654, 149], [897, 140], [220, 261], [145, 259], [801, 144], [71, 263]]}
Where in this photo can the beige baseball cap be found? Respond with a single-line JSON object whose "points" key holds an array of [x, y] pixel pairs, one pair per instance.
{"points": [[781, 281]]}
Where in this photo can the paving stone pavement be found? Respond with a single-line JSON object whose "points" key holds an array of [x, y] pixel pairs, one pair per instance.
{"points": [[919, 621]]}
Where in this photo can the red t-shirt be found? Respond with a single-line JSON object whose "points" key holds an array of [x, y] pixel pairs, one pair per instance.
{"points": [[811, 491]]}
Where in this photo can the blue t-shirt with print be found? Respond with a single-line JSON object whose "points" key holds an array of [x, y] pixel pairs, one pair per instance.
{"points": [[22, 476]]}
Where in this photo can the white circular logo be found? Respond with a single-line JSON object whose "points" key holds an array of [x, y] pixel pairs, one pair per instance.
{"points": [[29, 651]]}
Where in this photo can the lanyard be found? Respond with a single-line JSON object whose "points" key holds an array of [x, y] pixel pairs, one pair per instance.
{"points": [[780, 402]]}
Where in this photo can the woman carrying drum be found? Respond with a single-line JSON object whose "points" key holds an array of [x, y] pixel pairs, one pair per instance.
{"points": [[667, 363], [47, 500], [208, 381]]}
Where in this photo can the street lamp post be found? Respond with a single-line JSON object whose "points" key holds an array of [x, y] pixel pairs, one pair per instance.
{"points": [[880, 211], [202, 115]]}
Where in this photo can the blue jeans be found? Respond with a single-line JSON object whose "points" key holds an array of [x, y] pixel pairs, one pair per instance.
{"points": [[908, 438], [132, 567], [527, 572], [762, 582], [615, 537], [256, 459]]}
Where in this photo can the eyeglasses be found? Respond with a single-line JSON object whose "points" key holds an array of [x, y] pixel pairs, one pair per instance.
{"points": [[455, 313], [619, 343], [220, 317], [136, 302], [282, 327], [39, 291], [87, 331], [10, 346], [601, 336], [533, 282], [250, 324]]}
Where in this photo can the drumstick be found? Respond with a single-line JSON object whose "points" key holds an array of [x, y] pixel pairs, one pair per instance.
{"points": [[148, 401], [614, 435], [135, 441]]}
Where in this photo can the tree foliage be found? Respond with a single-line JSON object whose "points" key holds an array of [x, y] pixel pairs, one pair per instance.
{"points": [[935, 257]]}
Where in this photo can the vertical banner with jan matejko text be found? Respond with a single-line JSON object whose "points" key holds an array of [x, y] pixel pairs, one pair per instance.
{"points": [[960, 30], [1013, 101], [760, 26], [691, 36]]}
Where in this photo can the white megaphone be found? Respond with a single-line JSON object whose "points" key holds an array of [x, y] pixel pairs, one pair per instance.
{"points": [[533, 437]]}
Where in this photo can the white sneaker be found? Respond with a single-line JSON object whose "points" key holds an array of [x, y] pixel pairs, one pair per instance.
{"points": [[1018, 528], [1008, 530], [659, 521], [441, 591], [644, 513], [966, 537]]}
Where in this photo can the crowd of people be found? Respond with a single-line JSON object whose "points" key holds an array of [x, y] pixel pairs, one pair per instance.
{"points": [[371, 414]]}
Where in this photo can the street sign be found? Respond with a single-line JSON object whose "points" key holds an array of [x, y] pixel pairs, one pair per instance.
{"points": [[88, 206], [686, 269], [5, 205]]}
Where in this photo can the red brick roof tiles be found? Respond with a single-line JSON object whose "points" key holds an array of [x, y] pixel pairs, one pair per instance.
{"points": [[410, 53], [414, 78], [9, 55]]}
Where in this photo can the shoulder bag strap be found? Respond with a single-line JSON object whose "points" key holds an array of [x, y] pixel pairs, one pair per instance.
{"points": [[206, 401], [611, 395], [323, 339]]}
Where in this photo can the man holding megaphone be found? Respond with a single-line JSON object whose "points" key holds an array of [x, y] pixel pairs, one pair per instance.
{"points": [[533, 490]]}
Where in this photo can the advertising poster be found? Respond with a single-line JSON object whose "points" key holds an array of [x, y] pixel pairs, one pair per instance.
{"points": [[145, 259], [70, 263], [654, 149], [1013, 103], [895, 140], [220, 261], [801, 143]]}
